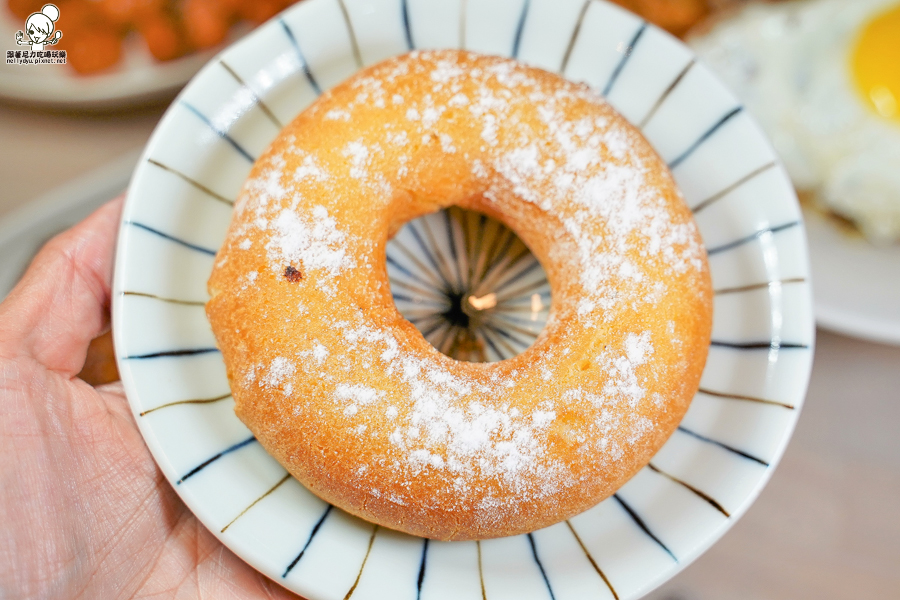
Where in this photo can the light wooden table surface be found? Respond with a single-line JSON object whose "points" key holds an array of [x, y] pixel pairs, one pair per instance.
{"points": [[41, 150], [826, 527]]}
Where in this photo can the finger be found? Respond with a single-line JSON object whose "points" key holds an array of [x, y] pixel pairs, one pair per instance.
{"points": [[62, 302]]}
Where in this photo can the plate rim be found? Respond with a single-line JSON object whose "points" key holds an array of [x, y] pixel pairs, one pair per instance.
{"points": [[171, 475]]}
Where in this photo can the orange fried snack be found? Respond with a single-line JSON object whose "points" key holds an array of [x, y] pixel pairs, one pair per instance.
{"points": [[675, 16], [165, 36], [94, 30], [92, 42], [209, 22], [22, 8]]}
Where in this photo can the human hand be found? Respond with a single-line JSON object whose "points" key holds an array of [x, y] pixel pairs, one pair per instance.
{"points": [[86, 513]]}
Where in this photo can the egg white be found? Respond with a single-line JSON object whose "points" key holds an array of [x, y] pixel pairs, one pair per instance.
{"points": [[789, 63]]}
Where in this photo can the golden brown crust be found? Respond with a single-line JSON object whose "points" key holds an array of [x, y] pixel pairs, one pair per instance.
{"points": [[351, 398]]}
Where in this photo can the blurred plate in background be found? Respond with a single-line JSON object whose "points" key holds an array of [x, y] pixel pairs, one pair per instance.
{"points": [[24, 231], [857, 284], [137, 79]]}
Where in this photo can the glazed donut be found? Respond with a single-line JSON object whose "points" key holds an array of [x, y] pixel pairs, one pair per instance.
{"points": [[351, 398]]}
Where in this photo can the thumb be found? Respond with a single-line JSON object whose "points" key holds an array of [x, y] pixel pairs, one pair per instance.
{"points": [[62, 302]]}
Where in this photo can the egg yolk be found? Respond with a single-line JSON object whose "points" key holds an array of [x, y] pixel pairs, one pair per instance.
{"points": [[876, 63]]}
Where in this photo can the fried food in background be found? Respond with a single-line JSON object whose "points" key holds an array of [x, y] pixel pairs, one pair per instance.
{"points": [[675, 16], [822, 79], [94, 30], [679, 16]]}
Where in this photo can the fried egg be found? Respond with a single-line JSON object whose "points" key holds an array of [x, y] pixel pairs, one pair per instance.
{"points": [[823, 79]]}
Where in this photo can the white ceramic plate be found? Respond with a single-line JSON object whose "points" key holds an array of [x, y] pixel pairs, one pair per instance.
{"points": [[707, 474], [24, 231], [857, 284]]}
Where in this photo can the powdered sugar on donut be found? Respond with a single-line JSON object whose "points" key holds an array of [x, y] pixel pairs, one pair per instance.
{"points": [[414, 414], [313, 242], [472, 439]]}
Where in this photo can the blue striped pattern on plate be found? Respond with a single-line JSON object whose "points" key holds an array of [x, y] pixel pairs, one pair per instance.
{"points": [[696, 486]]}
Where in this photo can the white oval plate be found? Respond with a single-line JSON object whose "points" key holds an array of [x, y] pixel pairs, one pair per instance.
{"points": [[24, 231], [137, 78], [857, 283], [707, 474]]}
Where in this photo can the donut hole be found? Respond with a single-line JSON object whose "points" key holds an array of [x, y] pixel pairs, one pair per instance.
{"points": [[469, 285]]}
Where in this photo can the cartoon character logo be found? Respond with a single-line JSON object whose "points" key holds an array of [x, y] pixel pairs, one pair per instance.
{"points": [[39, 26]]}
